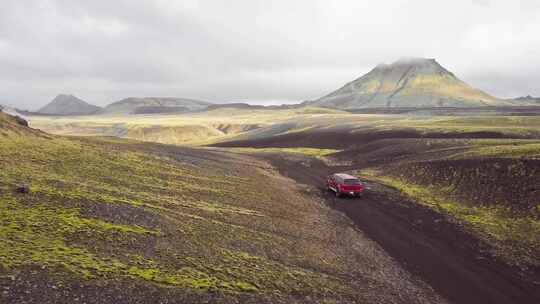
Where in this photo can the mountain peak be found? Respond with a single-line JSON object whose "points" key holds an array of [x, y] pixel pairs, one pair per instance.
{"points": [[66, 98], [407, 82], [415, 60], [68, 104], [63, 96], [409, 61], [415, 64]]}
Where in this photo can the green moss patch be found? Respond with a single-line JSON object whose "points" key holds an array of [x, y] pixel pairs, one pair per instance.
{"points": [[101, 209]]}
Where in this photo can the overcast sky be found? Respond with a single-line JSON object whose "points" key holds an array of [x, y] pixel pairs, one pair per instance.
{"points": [[269, 51]]}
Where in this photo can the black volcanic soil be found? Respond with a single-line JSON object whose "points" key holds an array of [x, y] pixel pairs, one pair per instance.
{"points": [[341, 139], [487, 110], [514, 183], [438, 250]]}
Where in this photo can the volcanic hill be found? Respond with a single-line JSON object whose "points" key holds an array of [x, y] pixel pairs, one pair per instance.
{"points": [[408, 82], [68, 105]]}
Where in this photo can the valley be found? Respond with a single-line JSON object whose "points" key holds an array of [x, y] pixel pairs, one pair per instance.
{"points": [[178, 200], [451, 199], [269, 152]]}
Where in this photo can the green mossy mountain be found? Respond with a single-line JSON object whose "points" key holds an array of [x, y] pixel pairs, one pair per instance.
{"points": [[408, 82]]}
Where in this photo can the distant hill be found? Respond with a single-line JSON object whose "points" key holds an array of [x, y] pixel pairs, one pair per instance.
{"points": [[236, 105], [246, 106], [528, 100], [136, 105], [409, 82], [68, 105], [159, 110]]}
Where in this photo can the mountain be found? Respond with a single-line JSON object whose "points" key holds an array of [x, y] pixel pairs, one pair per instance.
{"points": [[528, 100], [408, 82], [68, 105], [136, 105], [236, 105]]}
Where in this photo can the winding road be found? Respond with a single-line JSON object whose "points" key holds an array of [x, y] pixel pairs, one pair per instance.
{"points": [[422, 241]]}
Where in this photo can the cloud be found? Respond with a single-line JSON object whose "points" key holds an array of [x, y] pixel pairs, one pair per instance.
{"points": [[254, 50]]}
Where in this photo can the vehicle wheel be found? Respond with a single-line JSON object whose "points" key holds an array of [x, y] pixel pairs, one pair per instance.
{"points": [[338, 194]]}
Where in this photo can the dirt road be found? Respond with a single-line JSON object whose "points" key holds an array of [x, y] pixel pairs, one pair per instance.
{"points": [[423, 242]]}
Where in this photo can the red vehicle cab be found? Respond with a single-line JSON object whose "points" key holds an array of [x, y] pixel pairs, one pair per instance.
{"points": [[344, 184]]}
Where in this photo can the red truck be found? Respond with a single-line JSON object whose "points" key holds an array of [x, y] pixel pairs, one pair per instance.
{"points": [[344, 184]]}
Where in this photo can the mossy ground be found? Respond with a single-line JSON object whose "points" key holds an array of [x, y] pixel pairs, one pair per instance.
{"points": [[193, 221], [52, 226], [104, 210]]}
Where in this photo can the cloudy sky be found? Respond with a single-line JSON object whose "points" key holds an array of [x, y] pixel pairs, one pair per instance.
{"points": [[255, 50]]}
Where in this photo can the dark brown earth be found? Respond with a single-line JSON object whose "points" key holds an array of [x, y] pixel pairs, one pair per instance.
{"points": [[342, 139], [487, 110], [477, 180], [513, 183], [455, 263]]}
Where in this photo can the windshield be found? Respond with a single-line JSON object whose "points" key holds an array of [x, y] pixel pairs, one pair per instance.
{"points": [[352, 181]]}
